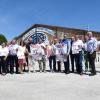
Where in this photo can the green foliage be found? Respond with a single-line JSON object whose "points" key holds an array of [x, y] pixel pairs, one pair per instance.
{"points": [[3, 38], [15, 38]]}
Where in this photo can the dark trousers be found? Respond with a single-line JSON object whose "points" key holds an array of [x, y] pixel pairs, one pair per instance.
{"points": [[27, 61], [91, 58], [66, 65], [72, 56], [86, 59], [78, 61], [2, 65], [13, 63], [59, 66], [8, 64], [52, 59]]}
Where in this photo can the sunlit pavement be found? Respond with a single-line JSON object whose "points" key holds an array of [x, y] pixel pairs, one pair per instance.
{"points": [[50, 86]]}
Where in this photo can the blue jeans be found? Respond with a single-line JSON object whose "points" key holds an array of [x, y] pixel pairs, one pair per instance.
{"points": [[78, 60]]}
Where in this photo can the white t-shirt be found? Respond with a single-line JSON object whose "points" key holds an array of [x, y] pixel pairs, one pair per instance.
{"points": [[80, 44], [21, 52], [13, 49], [4, 51], [77, 46]]}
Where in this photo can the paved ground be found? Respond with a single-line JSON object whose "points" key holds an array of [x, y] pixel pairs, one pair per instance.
{"points": [[50, 86]]}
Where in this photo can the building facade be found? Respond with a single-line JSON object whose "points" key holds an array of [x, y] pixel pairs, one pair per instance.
{"points": [[47, 33]]}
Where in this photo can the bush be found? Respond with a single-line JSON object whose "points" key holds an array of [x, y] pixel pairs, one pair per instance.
{"points": [[3, 38]]}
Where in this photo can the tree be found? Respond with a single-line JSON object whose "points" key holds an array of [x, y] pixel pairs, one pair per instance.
{"points": [[3, 38]]}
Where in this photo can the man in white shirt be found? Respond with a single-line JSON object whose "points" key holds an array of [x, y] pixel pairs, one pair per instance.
{"points": [[91, 49], [13, 48], [72, 56], [77, 46], [3, 56]]}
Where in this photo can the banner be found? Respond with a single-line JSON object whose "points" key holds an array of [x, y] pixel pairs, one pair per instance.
{"points": [[61, 52], [36, 51], [59, 55]]}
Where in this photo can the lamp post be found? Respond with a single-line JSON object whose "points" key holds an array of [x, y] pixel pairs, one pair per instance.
{"points": [[36, 34], [88, 28]]}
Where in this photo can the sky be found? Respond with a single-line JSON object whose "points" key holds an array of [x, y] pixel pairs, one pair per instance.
{"points": [[16, 16]]}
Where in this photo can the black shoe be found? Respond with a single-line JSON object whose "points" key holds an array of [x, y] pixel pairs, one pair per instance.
{"points": [[67, 72], [11, 72], [44, 71], [72, 71], [54, 70], [3, 74], [18, 73], [51, 70], [92, 74], [59, 71]]}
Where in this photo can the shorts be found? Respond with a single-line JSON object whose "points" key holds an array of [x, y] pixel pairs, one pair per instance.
{"points": [[21, 61]]}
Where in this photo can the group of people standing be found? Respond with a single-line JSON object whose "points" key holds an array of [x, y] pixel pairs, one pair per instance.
{"points": [[76, 52], [15, 58]]}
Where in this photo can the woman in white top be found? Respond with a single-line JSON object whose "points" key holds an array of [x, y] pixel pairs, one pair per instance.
{"points": [[21, 56], [3, 55]]}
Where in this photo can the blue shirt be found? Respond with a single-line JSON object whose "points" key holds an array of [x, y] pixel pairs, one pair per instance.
{"points": [[68, 43], [91, 45]]}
